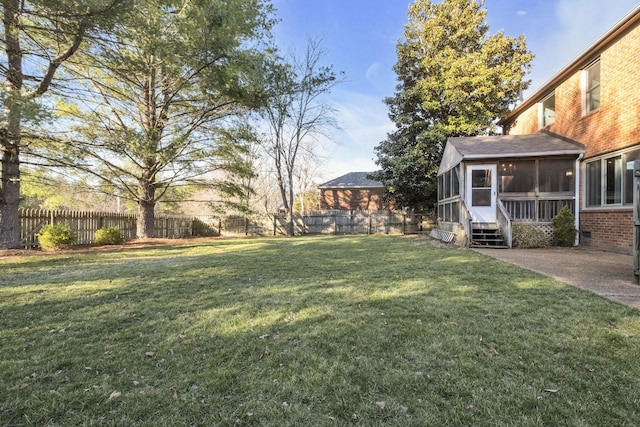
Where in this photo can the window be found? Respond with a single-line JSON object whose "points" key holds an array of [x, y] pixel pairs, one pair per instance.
{"points": [[609, 180], [548, 110], [594, 189], [516, 176], [481, 187], [613, 180], [592, 87]]}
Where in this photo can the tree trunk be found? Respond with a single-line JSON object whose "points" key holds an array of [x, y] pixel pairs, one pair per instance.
{"points": [[290, 225], [146, 207], [10, 134], [10, 199], [146, 220]]}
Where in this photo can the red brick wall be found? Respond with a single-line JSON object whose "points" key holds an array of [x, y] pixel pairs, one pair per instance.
{"points": [[526, 123], [613, 126], [352, 199], [609, 229]]}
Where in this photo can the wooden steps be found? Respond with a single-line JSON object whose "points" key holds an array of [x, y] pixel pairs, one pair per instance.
{"points": [[487, 235]]}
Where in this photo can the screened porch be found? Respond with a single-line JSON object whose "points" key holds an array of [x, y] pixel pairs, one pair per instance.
{"points": [[495, 181]]}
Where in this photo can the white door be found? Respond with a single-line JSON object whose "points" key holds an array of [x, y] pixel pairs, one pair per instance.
{"points": [[481, 192]]}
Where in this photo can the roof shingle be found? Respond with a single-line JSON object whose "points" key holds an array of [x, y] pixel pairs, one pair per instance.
{"points": [[352, 180]]}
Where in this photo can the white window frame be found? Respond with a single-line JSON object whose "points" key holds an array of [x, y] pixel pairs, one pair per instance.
{"points": [[541, 120], [585, 87], [602, 181]]}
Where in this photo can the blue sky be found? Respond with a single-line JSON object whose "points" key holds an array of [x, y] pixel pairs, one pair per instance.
{"points": [[360, 38]]}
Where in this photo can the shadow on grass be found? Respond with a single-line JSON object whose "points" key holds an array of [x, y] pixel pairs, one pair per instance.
{"points": [[313, 331]]}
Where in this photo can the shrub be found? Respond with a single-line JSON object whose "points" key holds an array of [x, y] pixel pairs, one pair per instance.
{"points": [[529, 236], [57, 236], [108, 236], [564, 229]]}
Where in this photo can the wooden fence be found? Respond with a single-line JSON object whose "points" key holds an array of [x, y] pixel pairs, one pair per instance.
{"points": [[85, 224], [323, 222]]}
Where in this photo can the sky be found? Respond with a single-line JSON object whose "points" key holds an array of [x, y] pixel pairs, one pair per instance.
{"points": [[360, 36]]}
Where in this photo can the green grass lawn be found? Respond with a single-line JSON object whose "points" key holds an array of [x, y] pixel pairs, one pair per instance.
{"points": [[368, 330]]}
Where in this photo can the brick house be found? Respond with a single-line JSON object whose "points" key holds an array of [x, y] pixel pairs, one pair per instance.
{"points": [[353, 191], [593, 103]]}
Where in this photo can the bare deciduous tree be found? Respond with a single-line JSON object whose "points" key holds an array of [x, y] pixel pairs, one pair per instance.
{"points": [[297, 117]]}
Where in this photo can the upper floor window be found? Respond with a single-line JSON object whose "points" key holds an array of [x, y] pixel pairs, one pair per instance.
{"points": [[548, 110], [592, 87]]}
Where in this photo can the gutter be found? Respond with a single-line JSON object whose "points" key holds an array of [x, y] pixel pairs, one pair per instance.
{"points": [[531, 154], [578, 203], [583, 59]]}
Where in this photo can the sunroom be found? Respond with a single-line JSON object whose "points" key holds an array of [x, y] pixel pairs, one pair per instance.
{"points": [[488, 183]]}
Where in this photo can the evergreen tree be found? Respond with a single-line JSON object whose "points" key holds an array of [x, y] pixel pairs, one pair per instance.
{"points": [[38, 37], [454, 79], [160, 98]]}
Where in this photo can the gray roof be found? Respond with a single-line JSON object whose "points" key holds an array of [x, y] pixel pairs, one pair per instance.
{"points": [[504, 146], [352, 180], [516, 145]]}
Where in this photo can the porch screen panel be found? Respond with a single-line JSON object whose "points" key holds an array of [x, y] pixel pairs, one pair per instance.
{"points": [[516, 176], [481, 187], [447, 184], [455, 212], [455, 181], [556, 175]]}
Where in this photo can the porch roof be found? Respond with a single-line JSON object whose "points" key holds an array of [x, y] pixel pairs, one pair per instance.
{"points": [[506, 146]]}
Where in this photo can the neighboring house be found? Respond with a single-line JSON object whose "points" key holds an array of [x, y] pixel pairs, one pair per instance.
{"points": [[573, 142], [353, 191]]}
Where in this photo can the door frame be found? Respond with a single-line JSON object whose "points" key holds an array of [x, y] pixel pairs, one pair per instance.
{"points": [[481, 212]]}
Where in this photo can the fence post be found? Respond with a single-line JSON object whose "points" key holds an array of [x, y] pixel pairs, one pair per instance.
{"points": [[369, 230], [274, 224], [351, 222]]}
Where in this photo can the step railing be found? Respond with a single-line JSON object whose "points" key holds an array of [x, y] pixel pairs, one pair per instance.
{"points": [[504, 222]]}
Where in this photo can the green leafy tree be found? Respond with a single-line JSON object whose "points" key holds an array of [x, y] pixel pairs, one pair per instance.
{"points": [[307, 201], [42, 189], [38, 36], [454, 79], [159, 97]]}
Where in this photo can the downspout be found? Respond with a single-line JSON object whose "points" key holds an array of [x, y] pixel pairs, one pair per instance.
{"points": [[577, 203]]}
